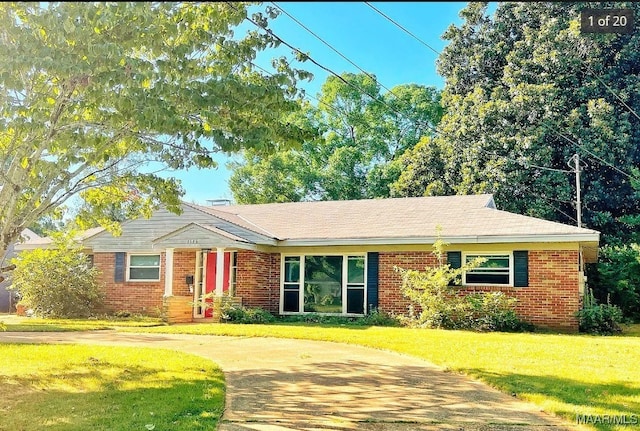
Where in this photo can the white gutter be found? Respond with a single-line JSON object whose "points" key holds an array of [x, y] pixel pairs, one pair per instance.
{"points": [[471, 239]]}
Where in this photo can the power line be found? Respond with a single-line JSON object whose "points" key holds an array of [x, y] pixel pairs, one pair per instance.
{"points": [[341, 55], [524, 164], [401, 27], [616, 95], [331, 107], [330, 46], [595, 156], [327, 69], [361, 90]]}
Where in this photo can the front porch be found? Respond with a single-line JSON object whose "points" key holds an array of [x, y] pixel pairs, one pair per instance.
{"points": [[200, 272], [180, 309]]}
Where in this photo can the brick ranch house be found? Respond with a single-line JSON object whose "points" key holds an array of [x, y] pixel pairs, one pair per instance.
{"points": [[338, 257]]}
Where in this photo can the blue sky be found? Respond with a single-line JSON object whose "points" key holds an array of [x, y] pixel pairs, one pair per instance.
{"points": [[362, 35]]}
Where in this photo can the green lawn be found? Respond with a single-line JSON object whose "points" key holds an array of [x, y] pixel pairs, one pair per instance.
{"points": [[71, 387], [564, 374], [15, 323]]}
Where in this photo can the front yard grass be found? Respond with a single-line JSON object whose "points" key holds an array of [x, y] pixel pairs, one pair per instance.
{"points": [[564, 374], [15, 323], [77, 388]]}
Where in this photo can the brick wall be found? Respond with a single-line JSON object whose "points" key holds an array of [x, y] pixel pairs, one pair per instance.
{"points": [[389, 281], [550, 300], [258, 279], [184, 263], [143, 297]]}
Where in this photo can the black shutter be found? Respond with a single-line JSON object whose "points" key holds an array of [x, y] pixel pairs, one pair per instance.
{"points": [[521, 268], [372, 281], [118, 274], [454, 259]]}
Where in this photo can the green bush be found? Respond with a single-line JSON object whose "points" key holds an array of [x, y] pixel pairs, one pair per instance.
{"points": [[374, 318], [378, 318], [58, 282], [492, 311], [618, 278], [594, 318], [432, 292], [239, 314]]}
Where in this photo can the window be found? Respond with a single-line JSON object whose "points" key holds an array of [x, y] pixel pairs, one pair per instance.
{"points": [[496, 269], [291, 287], [233, 273], [355, 284], [323, 284], [332, 284], [144, 267]]}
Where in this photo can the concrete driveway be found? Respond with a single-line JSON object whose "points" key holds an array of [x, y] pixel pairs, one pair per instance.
{"points": [[286, 385]]}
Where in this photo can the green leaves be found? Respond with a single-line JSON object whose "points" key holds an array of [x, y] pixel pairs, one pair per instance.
{"points": [[90, 93], [60, 281], [356, 156], [518, 84]]}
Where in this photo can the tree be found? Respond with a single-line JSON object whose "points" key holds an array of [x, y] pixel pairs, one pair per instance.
{"points": [[59, 281], [92, 93], [362, 135], [616, 277], [525, 91]]}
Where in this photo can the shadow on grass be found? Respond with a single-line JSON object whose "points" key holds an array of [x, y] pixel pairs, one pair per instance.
{"points": [[24, 327], [576, 397], [131, 398]]}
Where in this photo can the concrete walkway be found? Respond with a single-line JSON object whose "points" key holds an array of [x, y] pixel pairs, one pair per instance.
{"points": [[286, 385]]}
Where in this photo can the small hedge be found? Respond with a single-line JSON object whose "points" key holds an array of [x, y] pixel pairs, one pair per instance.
{"points": [[603, 319], [239, 314], [374, 318]]}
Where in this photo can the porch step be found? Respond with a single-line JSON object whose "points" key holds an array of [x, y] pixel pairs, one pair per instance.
{"points": [[178, 309]]}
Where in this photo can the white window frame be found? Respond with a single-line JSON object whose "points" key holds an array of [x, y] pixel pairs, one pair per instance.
{"points": [[233, 272], [345, 268], [135, 280], [482, 254]]}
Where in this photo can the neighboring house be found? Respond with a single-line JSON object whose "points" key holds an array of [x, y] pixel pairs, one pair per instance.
{"points": [[7, 297], [339, 256]]}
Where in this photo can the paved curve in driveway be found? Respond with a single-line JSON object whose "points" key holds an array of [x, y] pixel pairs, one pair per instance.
{"points": [[286, 385]]}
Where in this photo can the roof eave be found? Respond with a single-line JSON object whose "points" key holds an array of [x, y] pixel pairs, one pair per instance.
{"points": [[470, 239]]}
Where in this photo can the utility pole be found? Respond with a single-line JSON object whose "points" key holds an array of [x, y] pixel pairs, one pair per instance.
{"points": [[576, 168]]}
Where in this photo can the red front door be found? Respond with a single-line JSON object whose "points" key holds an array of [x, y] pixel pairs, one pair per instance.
{"points": [[210, 276]]}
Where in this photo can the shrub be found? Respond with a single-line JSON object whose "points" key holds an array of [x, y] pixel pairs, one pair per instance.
{"points": [[378, 318], [618, 278], [597, 318], [239, 314], [374, 318], [57, 282], [440, 306], [493, 311]]}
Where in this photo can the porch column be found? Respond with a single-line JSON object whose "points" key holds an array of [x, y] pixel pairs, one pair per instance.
{"points": [[219, 270], [168, 272]]}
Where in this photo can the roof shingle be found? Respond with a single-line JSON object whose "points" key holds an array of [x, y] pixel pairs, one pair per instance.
{"points": [[418, 217]]}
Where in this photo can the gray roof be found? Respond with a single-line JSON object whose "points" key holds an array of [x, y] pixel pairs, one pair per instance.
{"points": [[32, 240], [461, 219], [465, 216]]}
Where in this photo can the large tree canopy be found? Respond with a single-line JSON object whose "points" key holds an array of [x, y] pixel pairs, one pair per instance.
{"points": [[525, 91], [362, 134], [90, 93]]}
